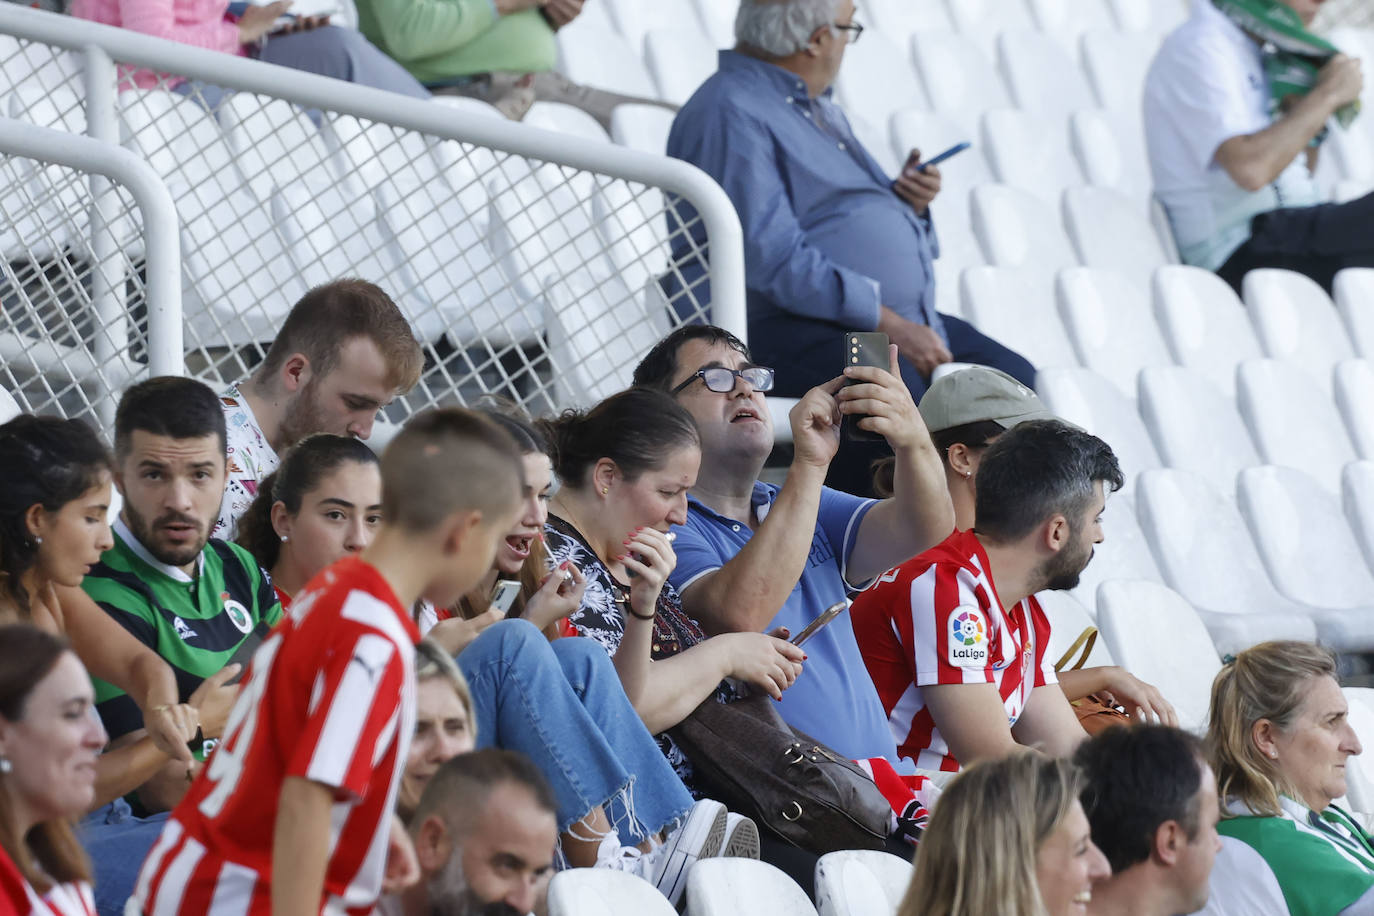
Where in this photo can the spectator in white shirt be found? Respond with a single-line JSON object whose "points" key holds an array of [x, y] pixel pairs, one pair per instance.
{"points": [[1233, 170]]}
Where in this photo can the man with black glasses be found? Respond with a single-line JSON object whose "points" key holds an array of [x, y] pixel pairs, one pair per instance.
{"points": [[755, 556]]}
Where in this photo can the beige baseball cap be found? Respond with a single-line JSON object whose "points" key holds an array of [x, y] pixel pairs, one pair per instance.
{"points": [[978, 394]]}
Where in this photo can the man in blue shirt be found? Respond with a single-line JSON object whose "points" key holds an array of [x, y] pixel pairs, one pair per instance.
{"points": [[831, 243], [754, 556]]}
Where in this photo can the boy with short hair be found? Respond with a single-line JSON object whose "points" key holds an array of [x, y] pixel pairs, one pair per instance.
{"points": [[294, 812]]}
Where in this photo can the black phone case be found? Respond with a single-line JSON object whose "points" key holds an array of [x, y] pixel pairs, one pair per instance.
{"points": [[863, 348]]}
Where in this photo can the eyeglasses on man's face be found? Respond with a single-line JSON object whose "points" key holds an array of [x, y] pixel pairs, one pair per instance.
{"points": [[722, 380], [852, 31]]}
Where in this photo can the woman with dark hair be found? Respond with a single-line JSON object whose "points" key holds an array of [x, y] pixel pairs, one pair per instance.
{"points": [[50, 740], [626, 466], [323, 503], [53, 529]]}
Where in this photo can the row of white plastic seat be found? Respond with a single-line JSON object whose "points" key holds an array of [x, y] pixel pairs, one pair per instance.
{"points": [[848, 883]]}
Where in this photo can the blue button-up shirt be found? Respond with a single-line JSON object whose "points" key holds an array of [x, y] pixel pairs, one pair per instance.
{"points": [[825, 236]]}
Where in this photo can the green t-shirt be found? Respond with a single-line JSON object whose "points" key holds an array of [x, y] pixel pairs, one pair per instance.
{"points": [[197, 625], [1323, 864], [439, 41]]}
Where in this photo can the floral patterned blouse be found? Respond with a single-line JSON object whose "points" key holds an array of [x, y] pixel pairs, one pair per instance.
{"points": [[601, 618]]}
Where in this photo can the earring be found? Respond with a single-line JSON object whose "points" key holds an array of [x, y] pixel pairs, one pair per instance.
{"points": [[968, 473], [284, 539], [1273, 755], [37, 540], [5, 765], [605, 490]]}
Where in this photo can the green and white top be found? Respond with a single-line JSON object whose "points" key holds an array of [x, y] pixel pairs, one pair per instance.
{"points": [[1301, 863]]}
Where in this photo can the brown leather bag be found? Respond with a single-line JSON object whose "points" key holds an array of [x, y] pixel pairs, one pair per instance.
{"points": [[1093, 711], [746, 756]]}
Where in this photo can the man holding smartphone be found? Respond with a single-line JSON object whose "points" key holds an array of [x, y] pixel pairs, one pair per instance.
{"points": [[831, 242], [755, 556]]}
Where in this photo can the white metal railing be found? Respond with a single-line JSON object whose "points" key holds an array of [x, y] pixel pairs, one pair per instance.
{"points": [[527, 260]]}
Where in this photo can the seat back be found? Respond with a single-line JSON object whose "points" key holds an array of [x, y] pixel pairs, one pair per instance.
{"points": [[1357, 498], [1041, 72], [1123, 554], [1112, 232], [1110, 147], [958, 74], [1195, 427], [1068, 618], [980, 21], [1116, 62], [1015, 229], [880, 80], [1295, 322], [1156, 635], [1110, 323], [1293, 420], [642, 127], [1304, 539], [1030, 151], [861, 882], [727, 886], [1354, 386], [1083, 397], [679, 60], [1354, 294], [1204, 323], [604, 892], [1015, 305]]}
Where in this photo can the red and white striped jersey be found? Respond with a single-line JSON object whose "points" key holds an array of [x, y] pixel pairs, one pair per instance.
{"points": [[330, 697], [936, 619]]}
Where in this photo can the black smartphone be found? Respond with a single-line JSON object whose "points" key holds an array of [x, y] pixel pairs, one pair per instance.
{"points": [[863, 348]]}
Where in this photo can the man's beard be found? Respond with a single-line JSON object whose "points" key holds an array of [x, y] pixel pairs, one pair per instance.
{"points": [[143, 532], [302, 417], [449, 894], [1062, 571]]}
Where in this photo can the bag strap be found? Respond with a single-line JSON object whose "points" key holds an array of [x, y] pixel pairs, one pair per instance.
{"points": [[1085, 641]]}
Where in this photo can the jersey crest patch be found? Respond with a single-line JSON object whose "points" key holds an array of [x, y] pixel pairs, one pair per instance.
{"points": [[238, 614], [968, 639]]}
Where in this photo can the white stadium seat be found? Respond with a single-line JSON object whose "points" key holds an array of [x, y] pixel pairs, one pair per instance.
{"points": [[9, 408], [1293, 421], [642, 127], [1123, 554], [1206, 554], [1311, 552], [1015, 305], [1355, 401], [727, 886], [1110, 147], [981, 20], [1110, 231], [1354, 294], [861, 882], [1085, 398], [1030, 151], [1066, 20], [1295, 322], [1068, 618], [959, 77], [1116, 63], [1195, 427], [603, 59], [563, 118], [1015, 229], [1156, 635], [1043, 77], [679, 60], [718, 20], [1158, 16], [1204, 323], [604, 892], [878, 80], [900, 19], [1357, 498], [1110, 323], [634, 18]]}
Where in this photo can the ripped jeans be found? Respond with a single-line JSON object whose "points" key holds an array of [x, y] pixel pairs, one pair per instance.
{"points": [[561, 704]]}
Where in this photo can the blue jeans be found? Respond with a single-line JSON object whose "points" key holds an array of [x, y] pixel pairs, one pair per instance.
{"points": [[561, 704], [117, 843]]}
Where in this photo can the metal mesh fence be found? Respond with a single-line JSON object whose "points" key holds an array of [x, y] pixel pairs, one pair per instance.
{"points": [[523, 278]]}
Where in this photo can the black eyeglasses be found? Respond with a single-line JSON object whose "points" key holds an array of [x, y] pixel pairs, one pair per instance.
{"points": [[722, 380], [854, 30]]}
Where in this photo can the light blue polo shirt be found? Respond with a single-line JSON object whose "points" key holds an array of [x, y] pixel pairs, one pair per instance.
{"points": [[834, 700]]}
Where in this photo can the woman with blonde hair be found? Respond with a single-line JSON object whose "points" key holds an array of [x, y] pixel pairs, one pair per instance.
{"points": [[1278, 740], [1008, 837]]}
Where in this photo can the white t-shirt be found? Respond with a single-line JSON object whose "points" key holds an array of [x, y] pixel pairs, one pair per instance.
{"points": [[251, 459], [1205, 86]]}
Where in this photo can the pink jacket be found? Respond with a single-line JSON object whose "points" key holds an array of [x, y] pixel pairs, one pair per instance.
{"points": [[202, 23]]}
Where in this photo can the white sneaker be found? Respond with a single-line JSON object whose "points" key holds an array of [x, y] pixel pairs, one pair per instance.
{"points": [[701, 835], [741, 837]]}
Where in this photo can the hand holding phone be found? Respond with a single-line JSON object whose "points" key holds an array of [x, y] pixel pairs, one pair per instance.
{"points": [[954, 150], [821, 620], [863, 348], [503, 596]]}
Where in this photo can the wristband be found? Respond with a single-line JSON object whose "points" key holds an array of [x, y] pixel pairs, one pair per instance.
{"points": [[635, 614]]}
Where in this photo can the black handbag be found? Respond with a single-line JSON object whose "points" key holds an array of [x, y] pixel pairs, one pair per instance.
{"points": [[748, 758]]}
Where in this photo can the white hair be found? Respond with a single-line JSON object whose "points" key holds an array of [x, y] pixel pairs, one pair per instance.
{"points": [[782, 27]]}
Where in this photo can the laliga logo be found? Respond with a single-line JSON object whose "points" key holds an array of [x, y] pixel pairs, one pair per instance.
{"points": [[968, 640]]}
